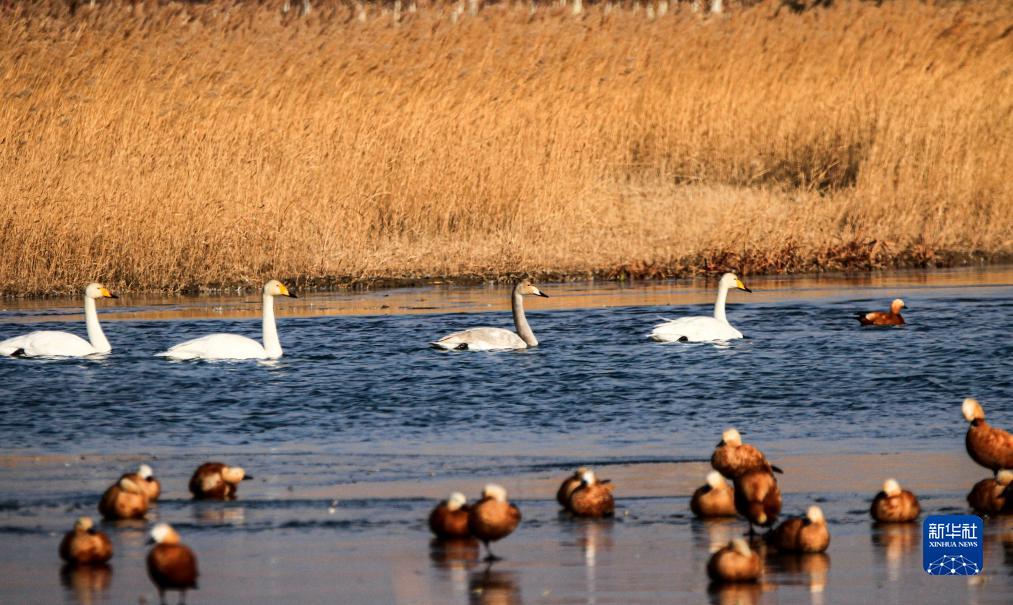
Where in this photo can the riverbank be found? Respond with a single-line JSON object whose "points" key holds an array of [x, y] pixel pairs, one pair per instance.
{"points": [[183, 147]]}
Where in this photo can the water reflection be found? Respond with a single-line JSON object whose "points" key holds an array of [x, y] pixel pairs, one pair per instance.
{"points": [[898, 542], [231, 515], [815, 565], [454, 558], [131, 533], [86, 582], [490, 587], [741, 593], [714, 534]]}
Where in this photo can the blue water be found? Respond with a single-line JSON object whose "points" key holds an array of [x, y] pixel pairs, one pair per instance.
{"points": [[806, 372]]}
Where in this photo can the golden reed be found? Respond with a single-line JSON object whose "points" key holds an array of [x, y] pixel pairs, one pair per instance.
{"points": [[170, 146]]}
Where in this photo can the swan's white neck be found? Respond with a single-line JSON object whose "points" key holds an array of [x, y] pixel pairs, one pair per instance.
{"points": [[95, 334], [521, 322], [271, 343], [719, 304]]}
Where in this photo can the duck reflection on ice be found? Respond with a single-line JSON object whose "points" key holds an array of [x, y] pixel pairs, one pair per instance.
{"points": [[899, 542], [453, 558], [735, 593], [714, 534], [229, 515], [488, 587], [815, 565], [86, 582]]}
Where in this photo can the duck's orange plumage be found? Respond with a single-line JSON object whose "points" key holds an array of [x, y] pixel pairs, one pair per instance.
{"points": [[85, 545], [735, 563], [592, 498], [449, 520], [758, 498], [808, 534], [894, 505], [884, 318], [987, 445]]}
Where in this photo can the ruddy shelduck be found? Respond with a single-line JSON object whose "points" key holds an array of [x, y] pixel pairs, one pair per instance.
{"points": [[714, 499], [592, 498], [735, 563], [993, 496], [987, 445], [216, 481], [732, 458], [808, 534], [171, 565], [884, 318], [124, 499], [449, 520], [758, 498], [145, 477], [85, 545], [568, 485], [894, 505], [493, 518]]}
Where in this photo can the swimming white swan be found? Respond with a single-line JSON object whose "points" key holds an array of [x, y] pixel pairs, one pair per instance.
{"points": [[702, 328], [64, 344], [234, 346], [491, 339]]}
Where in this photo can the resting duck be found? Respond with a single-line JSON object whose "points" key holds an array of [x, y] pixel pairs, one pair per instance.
{"points": [[735, 563], [449, 519], [757, 498], [124, 500], [993, 496], [85, 545], [215, 481], [592, 498], [714, 499], [568, 485], [987, 445], [171, 565], [146, 479], [880, 318], [807, 534], [894, 505], [733, 458], [493, 518]]}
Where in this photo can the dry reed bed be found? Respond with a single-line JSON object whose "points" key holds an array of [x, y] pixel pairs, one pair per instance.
{"points": [[180, 146]]}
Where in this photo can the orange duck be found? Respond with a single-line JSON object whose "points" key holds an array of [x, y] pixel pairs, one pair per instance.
{"points": [[993, 496], [493, 518], [987, 445], [808, 534], [880, 318], [715, 499], [894, 505], [733, 458], [592, 498], [449, 520], [216, 481], [85, 545], [757, 498], [171, 565]]}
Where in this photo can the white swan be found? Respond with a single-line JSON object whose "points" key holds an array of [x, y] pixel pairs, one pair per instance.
{"points": [[234, 346], [491, 339], [64, 344], [703, 328]]}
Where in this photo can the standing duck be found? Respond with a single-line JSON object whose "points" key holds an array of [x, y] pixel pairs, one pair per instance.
{"points": [[146, 479], [757, 498], [808, 534], [894, 505], [993, 496], [733, 458], [592, 498], [85, 545], [989, 446], [714, 499], [735, 563], [171, 565], [216, 481], [124, 500], [881, 318], [493, 518], [568, 485], [449, 520]]}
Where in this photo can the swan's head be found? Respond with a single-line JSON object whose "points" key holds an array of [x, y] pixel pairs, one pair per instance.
{"points": [[897, 305], [144, 471], [83, 524], [891, 488], [587, 478], [163, 533], [815, 515], [233, 474], [715, 480], [1005, 477], [730, 437], [730, 280], [529, 289], [740, 546], [276, 288], [456, 501], [972, 410], [97, 291], [494, 492]]}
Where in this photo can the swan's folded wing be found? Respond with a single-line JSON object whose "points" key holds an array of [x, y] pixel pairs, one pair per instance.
{"points": [[217, 346], [481, 339], [694, 329], [48, 344]]}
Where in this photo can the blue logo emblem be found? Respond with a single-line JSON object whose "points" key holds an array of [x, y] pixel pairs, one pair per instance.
{"points": [[952, 545]]}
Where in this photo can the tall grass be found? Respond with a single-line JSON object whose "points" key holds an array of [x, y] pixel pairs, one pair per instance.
{"points": [[169, 146]]}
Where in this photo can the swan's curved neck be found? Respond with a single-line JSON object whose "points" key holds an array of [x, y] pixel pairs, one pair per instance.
{"points": [[521, 322], [271, 343], [719, 304], [95, 334]]}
